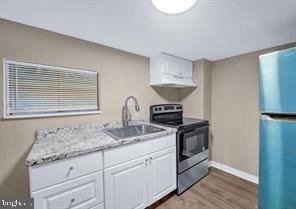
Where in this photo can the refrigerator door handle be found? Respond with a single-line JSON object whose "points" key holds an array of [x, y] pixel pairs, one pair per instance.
{"points": [[278, 117]]}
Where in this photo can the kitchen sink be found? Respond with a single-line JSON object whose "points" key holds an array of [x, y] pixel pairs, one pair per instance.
{"points": [[131, 131]]}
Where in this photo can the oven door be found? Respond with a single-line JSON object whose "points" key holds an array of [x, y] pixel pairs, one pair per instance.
{"points": [[193, 144]]}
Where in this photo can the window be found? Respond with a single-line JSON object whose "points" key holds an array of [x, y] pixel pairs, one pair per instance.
{"points": [[35, 90]]}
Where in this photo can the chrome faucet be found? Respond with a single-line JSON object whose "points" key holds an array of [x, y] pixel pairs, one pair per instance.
{"points": [[126, 116]]}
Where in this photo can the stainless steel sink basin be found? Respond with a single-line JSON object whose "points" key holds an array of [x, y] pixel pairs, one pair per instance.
{"points": [[131, 131]]}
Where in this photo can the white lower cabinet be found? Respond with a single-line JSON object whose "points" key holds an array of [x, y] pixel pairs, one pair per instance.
{"points": [[75, 182], [127, 177], [162, 174], [83, 192], [139, 183], [126, 185]]}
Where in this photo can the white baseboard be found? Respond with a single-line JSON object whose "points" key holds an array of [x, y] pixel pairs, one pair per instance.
{"points": [[236, 172]]}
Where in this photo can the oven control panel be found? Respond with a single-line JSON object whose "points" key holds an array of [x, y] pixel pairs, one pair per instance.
{"points": [[167, 108]]}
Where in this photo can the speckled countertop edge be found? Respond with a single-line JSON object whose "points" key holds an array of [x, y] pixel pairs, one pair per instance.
{"points": [[59, 143]]}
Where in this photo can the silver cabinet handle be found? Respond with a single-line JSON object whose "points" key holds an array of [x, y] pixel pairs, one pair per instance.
{"points": [[73, 199], [71, 168], [150, 159], [146, 161]]}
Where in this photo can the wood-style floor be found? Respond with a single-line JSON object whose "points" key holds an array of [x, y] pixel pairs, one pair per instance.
{"points": [[218, 190]]}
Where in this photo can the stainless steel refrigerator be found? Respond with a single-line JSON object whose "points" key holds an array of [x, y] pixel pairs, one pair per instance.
{"points": [[277, 103]]}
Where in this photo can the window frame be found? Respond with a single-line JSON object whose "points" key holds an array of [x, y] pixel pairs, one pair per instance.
{"points": [[44, 115]]}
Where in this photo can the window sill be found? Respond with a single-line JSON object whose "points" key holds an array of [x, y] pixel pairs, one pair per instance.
{"points": [[8, 117]]}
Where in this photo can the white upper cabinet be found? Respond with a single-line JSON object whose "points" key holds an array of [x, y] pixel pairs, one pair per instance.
{"points": [[171, 71]]}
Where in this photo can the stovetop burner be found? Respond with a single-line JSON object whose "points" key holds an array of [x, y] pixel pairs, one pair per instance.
{"points": [[172, 115], [184, 122], [173, 122]]}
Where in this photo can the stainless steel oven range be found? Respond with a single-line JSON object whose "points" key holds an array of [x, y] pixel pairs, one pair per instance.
{"points": [[192, 143]]}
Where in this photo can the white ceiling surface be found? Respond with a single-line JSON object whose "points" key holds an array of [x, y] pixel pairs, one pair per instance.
{"points": [[212, 29]]}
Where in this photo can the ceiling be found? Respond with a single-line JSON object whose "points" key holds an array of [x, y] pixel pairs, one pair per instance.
{"points": [[212, 29]]}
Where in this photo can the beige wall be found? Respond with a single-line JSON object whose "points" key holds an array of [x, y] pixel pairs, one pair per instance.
{"points": [[197, 101], [121, 74], [227, 94], [235, 101]]}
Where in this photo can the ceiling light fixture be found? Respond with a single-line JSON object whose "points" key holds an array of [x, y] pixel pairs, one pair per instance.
{"points": [[173, 6]]}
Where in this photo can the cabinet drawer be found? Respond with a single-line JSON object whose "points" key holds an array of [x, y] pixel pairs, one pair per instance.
{"points": [[83, 192], [56, 172], [132, 151]]}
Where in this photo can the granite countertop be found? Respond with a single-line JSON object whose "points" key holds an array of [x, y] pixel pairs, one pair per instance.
{"points": [[59, 143]]}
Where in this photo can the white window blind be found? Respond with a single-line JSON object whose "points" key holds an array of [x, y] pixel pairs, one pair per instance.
{"points": [[42, 90]]}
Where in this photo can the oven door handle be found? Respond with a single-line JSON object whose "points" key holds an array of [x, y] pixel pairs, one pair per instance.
{"points": [[194, 129]]}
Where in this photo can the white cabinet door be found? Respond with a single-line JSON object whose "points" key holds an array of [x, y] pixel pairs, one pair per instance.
{"points": [[79, 193], [162, 174], [126, 185], [172, 65], [186, 69], [177, 66]]}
